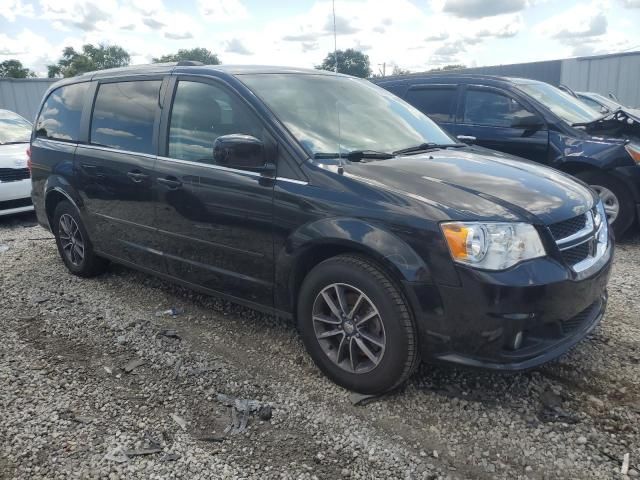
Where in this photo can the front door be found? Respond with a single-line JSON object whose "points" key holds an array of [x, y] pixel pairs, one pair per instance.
{"points": [[114, 170], [214, 223], [487, 121]]}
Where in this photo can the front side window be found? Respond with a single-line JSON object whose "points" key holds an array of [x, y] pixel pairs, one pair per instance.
{"points": [[484, 107], [13, 128], [123, 115], [565, 106], [335, 114], [201, 113], [60, 116], [436, 102], [592, 103]]}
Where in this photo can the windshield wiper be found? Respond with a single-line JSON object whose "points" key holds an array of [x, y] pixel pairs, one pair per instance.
{"points": [[356, 155], [14, 143], [428, 146]]}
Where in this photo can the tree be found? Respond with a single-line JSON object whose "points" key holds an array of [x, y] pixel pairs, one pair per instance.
{"points": [[447, 68], [14, 69], [196, 54], [400, 71], [350, 62], [90, 59]]}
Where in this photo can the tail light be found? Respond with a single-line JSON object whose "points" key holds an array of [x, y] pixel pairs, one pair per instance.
{"points": [[29, 159]]}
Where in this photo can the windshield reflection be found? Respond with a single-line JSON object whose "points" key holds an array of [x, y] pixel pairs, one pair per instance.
{"points": [[14, 128], [568, 108], [329, 113]]}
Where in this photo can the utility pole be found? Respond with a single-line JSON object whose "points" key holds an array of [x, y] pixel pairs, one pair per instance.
{"points": [[383, 70]]}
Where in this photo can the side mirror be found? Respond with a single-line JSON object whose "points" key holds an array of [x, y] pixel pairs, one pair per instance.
{"points": [[528, 122], [239, 151]]}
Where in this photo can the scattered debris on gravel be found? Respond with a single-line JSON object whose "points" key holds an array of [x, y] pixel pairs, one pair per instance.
{"points": [[95, 383]]}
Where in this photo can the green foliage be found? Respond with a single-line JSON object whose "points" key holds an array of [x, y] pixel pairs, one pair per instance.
{"points": [[350, 62], [447, 68], [90, 59], [14, 69], [400, 71], [196, 54]]}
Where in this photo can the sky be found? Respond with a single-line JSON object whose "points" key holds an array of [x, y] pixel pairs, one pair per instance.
{"points": [[411, 34]]}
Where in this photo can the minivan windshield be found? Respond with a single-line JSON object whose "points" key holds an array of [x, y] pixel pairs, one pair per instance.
{"points": [[338, 114], [13, 128], [568, 108]]}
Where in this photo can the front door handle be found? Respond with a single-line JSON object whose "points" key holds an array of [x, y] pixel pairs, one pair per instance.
{"points": [[466, 138], [171, 182], [137, 176]]}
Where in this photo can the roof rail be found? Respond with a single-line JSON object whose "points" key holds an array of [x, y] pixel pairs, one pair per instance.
{"points": [[189, 63]]}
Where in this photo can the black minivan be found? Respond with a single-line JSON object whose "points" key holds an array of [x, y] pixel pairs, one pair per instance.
{"points": [[326, 199], [539, 122]]}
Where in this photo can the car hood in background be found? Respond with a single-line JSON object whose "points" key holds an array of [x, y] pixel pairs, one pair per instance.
{"points": [[467, 185], [13, 155]]}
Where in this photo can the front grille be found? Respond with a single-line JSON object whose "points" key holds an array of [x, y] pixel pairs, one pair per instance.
{"points": [[18, 203], [574, 323], [576, 254], [566, 228], [13, 174]]}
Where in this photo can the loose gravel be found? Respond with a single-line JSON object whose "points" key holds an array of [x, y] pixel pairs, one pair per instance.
{"points": [[68, 409]]}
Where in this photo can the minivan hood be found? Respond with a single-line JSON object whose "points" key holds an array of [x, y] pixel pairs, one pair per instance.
{"points": [[467, 185], [13, 155]]}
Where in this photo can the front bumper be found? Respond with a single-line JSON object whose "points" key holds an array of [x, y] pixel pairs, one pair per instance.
{"points": [[15, 197], [512, 320]]}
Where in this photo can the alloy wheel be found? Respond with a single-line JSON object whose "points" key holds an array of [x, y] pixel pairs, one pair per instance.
{"points": [[349, 328], [609, 200], [71, 239]]}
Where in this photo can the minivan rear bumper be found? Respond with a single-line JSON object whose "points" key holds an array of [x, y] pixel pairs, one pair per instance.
{"points": [[501, 322]]}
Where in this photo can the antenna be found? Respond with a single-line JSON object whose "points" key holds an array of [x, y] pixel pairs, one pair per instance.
{"points": [[335, 70], [335, 38]]}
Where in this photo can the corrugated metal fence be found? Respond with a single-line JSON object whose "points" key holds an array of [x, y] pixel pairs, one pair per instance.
{"points": [[618, 73], [23, 95]]}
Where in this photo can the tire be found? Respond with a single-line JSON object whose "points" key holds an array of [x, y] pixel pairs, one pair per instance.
{"points": [[74, 246], [389, 336], [605, 186]]}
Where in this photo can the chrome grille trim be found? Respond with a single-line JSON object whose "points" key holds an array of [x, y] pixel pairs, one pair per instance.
{"points": [[587, 231]]}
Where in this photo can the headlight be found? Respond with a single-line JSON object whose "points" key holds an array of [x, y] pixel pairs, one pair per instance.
{"points": [[492, 246], [634, 151]]}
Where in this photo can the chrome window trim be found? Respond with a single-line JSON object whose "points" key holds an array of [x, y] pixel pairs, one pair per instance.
{"points": [[213, 167], [292, 180], [116, 150], [185, 162]]}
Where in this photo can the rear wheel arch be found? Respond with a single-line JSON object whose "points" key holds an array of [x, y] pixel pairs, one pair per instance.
{"points": [[51, 201]]}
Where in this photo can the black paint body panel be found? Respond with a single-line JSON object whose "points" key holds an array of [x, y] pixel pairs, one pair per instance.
{"points": [[251, 237]]}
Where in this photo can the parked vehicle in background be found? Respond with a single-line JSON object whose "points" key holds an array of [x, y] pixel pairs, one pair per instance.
{"points": [[539, 122], [15, 183], [598, 102], [324, 198]]}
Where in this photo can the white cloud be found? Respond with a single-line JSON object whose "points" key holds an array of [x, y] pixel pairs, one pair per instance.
{"points": [[222, 10], [11, 9], [479, 8]]}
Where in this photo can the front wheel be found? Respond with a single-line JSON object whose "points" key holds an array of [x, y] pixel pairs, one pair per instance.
{"points": [[618, 202], [357, 326]]}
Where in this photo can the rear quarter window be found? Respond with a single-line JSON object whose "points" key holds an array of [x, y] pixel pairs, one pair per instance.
{"points": [[60, 116]]}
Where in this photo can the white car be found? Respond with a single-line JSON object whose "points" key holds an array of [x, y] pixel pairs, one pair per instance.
{"points": [[15, 178]]}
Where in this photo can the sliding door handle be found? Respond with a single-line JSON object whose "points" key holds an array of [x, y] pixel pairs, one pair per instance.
{"points": [[170, 182]]}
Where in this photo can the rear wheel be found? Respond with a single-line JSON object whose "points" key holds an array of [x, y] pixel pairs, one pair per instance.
{"points": [[356, 325], [74, 245], [618, 202]]}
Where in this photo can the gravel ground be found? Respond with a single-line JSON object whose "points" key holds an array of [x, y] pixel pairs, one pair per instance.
{"points": [[68, 409]]}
